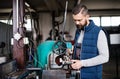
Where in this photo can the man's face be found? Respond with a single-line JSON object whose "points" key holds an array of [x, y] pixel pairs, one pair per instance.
{"points": [[80, 20]]}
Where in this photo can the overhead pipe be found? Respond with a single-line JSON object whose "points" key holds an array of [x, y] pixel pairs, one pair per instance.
{"points": [[65, 15], [18, 45], [78, 2]]}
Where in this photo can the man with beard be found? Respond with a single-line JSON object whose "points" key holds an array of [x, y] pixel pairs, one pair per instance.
{"points": [[91, 46]]}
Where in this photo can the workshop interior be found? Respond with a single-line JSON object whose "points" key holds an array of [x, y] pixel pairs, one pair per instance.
{"points": [[37, 37]]}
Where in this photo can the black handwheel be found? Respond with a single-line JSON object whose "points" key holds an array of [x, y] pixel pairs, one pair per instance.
{"points": [[59, 48]]}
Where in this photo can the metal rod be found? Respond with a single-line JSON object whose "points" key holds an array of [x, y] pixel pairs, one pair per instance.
{"points": [[17, 12], [65, 14]]}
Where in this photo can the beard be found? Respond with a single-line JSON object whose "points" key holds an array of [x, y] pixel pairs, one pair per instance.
{"points": [[81, 26]]}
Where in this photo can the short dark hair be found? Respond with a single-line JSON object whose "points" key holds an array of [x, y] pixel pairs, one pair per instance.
{"points": [[79, 8]]}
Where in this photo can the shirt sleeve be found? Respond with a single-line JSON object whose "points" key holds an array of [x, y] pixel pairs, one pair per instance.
{"points": [[103, 50]]}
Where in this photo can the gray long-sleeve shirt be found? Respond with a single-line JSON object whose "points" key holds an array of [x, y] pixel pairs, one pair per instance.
{"points": [[102, 45]]}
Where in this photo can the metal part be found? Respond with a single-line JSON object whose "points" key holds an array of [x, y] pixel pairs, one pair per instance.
{"points": [[18, 53], [78, 1], [54, 74], [59, 48], [64, 19]]}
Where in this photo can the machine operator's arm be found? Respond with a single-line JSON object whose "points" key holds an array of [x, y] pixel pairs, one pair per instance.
{"points": [[103, 56]]}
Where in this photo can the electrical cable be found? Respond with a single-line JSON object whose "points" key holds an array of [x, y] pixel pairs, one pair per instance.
{"points": [[35, 59]]}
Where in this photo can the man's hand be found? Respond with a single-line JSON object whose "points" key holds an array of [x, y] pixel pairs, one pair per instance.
{"points": [[76, 64]]}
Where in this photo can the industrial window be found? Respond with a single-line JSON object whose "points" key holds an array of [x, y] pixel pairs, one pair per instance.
{"points": [[96, 20], [115, 21], [27, 24], [114, 38], [110, 21], [105, 21], [6, 21]]}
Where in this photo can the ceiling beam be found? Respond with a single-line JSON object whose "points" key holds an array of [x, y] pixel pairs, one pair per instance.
{"points": [[52, 5], [78, 2], [30, 6], [6, 10]]}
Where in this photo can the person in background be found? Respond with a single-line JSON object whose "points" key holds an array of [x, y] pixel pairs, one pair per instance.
{"points": [[91, 46]]}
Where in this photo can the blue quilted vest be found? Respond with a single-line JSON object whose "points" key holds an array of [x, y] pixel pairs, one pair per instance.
{"points": [[88, 50]]}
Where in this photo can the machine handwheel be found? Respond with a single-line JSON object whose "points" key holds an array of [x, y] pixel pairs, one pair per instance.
{"points": [[59, 47]]}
